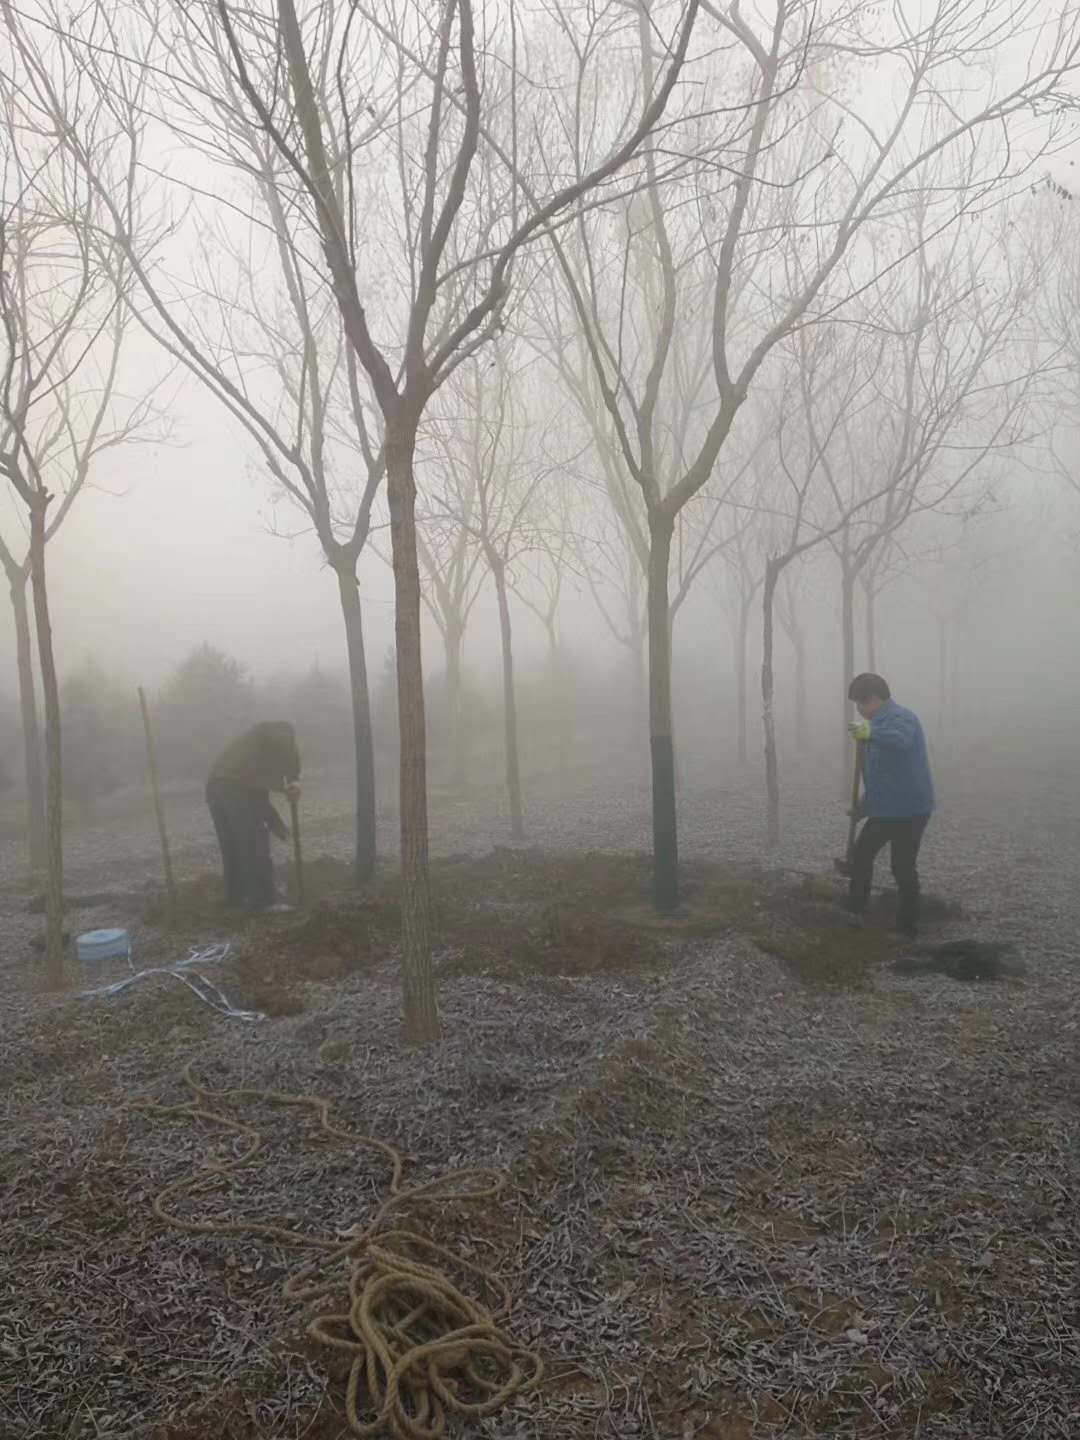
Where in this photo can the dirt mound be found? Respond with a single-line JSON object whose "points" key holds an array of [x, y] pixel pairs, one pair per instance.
{"points": [[325, 877], [339, 936], [830, 961], [561, 940], [801, 920], [933, 909], [580, 943], [517, 913], [324, 944], [200, 901]]}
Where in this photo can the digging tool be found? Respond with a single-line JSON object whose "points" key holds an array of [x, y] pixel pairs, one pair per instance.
{"points": [[842, 866], [298, 858], [155, 786]]}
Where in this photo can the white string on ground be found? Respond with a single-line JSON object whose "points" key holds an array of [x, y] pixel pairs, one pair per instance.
{"points": [[186, 972]]}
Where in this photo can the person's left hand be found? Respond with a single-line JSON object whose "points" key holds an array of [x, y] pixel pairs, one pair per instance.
{"points": [[859, 730]]}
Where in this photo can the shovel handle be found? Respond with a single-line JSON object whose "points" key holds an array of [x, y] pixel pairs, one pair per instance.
{"points": [[294, 807], [853, 818]]}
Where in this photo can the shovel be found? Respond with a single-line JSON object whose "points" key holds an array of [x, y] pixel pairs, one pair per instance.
{"points": [[842, 866], [294, 807]]}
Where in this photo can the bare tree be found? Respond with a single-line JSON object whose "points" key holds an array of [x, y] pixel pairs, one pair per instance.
{"points": [[252, 322], [954, 384], [450, 563], [890, 560], [826, 390], [310, 422], [802, 171], [790, 599], [1052, 236], [422, 147], [64, 320], [894, 415], [742, 576], [17, 572], [604, 554], [82, 426], [698, 535], [955, 573], [540, 583], [497, 470]]}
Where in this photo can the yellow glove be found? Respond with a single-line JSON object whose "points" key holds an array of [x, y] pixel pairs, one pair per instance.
{"points": [[859, 730]]}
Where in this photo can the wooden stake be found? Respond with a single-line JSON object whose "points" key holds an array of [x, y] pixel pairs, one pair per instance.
{"points": [[294, 807], [151, 758]]}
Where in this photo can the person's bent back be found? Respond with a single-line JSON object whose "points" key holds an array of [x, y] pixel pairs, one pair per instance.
{"points": [[265, 757]]}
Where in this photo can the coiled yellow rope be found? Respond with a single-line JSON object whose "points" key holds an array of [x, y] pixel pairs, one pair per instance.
{"points": [[420, 1348]]}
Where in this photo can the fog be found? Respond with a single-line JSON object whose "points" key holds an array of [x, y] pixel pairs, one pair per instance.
{"points": [[539, 763], [184, 538], [187, 543]]}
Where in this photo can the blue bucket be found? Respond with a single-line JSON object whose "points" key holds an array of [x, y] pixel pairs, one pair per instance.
{"points": [[96, 945]]}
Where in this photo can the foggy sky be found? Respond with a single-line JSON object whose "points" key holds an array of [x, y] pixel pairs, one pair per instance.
{"points": [[183, 552]]}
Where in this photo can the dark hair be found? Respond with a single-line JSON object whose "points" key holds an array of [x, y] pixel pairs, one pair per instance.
{"points": [[868, 687]]}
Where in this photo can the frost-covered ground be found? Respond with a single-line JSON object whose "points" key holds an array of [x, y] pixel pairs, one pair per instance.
{"points": [[740, 1203]]}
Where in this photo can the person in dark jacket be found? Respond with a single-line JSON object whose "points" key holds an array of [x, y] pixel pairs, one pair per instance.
{"points": [[898, 797], [263, 759]]}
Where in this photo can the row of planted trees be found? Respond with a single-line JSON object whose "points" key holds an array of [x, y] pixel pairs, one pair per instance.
{"points": [[623, 298]]}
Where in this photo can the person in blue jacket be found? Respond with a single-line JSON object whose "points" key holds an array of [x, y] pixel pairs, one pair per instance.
{"points": [[898, 797]]}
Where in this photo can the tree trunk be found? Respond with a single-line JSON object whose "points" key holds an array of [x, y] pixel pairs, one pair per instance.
{"points": [[453, 641], [421, 1011], [513, 767], [847, 632], [954, 686], [54, 792], [741, 699], [943, 673], [159, 809], [675, 760], [661, 743], [363, 744], [772, 764], [559, 698], [639, 639], [802, 697], [35, 789], [871, 629]]}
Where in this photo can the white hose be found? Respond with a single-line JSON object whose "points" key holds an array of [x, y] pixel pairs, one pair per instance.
{"points": [[184, 970]]}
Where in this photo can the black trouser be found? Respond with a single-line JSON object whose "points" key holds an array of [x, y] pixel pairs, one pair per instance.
{"points": [[904, 837], [240, 817]]}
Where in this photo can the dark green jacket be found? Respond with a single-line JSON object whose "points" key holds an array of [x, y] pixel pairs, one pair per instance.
{"points": [[263, 758]]}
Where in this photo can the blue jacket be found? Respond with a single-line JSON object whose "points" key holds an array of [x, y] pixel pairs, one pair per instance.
{"points": [[896, 776]]}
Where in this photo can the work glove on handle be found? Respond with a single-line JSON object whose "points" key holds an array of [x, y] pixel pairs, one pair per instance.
{"points": [[292, 790], [859, 730]]}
